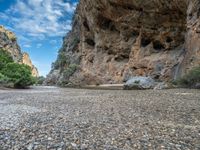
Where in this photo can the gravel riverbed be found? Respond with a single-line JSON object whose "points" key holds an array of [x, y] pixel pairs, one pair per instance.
{"points": [[49, 118]]}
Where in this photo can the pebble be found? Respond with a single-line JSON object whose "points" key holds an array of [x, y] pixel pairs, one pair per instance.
{"points": [[55, 118]]}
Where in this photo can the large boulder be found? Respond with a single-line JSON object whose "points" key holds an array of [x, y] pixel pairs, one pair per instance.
{"points": [[139, 83], [197, 86]]}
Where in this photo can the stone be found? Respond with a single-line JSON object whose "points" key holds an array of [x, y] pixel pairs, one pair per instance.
{"points": [[197, 86], [108, 119], [30, 146], [74, 145], [161, 86], [139, 83]]}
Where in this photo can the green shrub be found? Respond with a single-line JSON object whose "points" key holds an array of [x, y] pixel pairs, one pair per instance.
{"points": [[62, 60], [40, 80], [3, 79], [190, 79], [19, 74], [70, 71], [13, 74], [75, 42], [5, 58]]}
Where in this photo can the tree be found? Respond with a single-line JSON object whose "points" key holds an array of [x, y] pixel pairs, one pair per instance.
{"points": [[40, 80], [19, 74], [5, 58]]}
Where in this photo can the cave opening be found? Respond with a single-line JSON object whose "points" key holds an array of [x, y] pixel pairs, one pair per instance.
{"points": [[122, 57], [105, 23], [85, 24], [90, 42], [169, 39], [145, 42], [157, 45]]}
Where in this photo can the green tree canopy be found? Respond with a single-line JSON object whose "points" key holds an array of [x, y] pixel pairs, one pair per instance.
{"points": [[5, 58], [19, 74]]}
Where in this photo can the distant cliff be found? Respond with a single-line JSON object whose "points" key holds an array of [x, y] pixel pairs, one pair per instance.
{"points": [[112, 40], [8, 42], [26, 60]]}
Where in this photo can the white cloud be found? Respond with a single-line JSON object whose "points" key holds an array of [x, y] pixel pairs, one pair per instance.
{"points": [[38, 45], [27, 45], [40, 18], [39, 21], [53, 42]]}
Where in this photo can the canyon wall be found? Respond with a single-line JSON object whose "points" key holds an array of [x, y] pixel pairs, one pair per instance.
{"points": [[8, 42], [113, 40], [27, 61]]}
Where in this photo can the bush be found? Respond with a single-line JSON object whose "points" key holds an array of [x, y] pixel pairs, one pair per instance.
{"points": [[5, 58], [40, 80], [62, 60], [190, 79], [19, 74], [75, 42], [3, 79], [70, 71], [13, 74]]}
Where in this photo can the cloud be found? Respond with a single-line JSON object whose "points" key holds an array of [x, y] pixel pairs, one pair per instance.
{"points": [[27, 45], [53, 42], [40, 18], [37, 22], [38, 45]]}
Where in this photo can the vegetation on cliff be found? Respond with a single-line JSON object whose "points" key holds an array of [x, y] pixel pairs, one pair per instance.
{"points": [[13, 74], [5, 58], [8, 42], [62, 61], [40, 80], [191, 79]]}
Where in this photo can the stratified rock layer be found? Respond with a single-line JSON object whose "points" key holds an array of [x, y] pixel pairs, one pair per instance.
{"points": [[8, 42], [118, 39]]}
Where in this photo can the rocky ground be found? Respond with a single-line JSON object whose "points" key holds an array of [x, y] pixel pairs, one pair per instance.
{"points": [[58, 119]]}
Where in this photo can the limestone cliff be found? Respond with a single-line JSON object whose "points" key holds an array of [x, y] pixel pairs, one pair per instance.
{"points": [[27, 61], [112, 40], [8, 42]]}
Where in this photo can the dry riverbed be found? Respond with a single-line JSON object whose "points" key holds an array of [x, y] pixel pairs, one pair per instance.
{"points": [[57, 119]]}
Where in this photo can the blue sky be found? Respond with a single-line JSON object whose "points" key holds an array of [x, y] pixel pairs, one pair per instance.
{"points": [[39, 25]]}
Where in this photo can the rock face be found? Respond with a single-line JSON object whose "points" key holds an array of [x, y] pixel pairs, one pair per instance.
{"points": [[113, 40], [8, 42], [26, 60]]}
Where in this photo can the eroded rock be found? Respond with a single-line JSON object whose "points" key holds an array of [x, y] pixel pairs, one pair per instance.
{"points": [[114, 40]]}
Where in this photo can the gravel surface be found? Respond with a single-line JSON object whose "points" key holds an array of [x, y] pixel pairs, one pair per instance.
{"points": [[48, 118]]}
